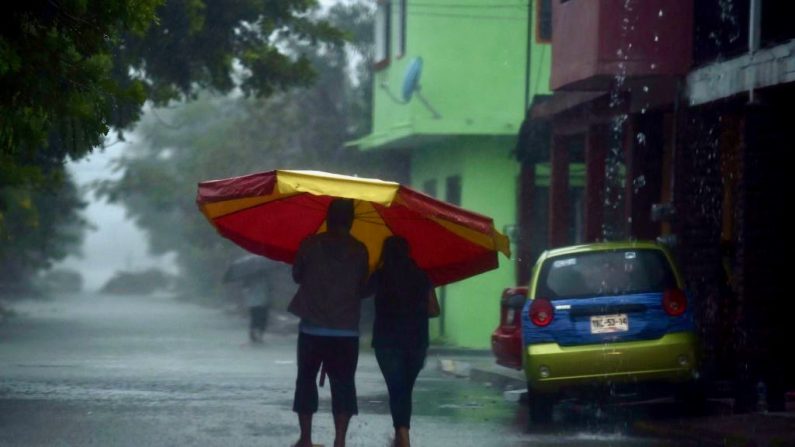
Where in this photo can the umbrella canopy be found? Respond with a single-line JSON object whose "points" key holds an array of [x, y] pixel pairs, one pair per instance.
{"points": [[247, 266], [270, 213]]}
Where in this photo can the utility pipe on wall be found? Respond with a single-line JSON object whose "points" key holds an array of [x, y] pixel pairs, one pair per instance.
{"points": [[754, 38]]}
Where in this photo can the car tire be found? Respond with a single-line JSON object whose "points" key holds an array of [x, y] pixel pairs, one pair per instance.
{"points": [[540, 407]]}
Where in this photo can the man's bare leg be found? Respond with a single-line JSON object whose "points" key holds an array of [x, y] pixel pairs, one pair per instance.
{"points": [[340, 429], [305, 423]]}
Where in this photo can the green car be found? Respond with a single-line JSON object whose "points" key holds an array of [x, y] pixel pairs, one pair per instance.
{"points": [[606, 316]]}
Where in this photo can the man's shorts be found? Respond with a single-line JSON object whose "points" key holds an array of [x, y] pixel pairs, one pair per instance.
{"points": [[340, 356]]}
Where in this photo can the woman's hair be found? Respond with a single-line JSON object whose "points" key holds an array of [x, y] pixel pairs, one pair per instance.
{"points": [[403, 283], [396, 253]]}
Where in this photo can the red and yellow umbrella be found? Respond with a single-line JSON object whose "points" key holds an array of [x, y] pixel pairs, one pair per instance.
{"points": [[270, 213]]}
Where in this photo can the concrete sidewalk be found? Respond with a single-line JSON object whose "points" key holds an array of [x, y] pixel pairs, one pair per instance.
{"points": [[718, 428], [481, 368], [477, 365]]}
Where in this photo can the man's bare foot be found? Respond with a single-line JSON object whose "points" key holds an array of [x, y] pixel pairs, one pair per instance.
{"points": [[301, 443], [340, 429]]}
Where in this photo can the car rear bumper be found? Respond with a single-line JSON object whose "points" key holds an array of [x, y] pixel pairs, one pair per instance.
{"points": [[506, 344], [672, 358]]}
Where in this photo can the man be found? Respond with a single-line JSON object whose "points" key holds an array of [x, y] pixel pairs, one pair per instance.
{"points": [[331, 270]]}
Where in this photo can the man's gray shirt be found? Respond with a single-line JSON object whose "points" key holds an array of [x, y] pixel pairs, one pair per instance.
{"points": [[331, 270]]}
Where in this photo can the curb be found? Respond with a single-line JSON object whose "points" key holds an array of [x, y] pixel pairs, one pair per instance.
{"points": [[454, 367], [506, 380], [481, 372], [450, 351]]}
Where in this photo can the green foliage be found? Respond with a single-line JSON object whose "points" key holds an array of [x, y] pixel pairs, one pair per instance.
{"points": [[197, 44], [39, 225], [57, 90], [222, 136], [72, 70]]}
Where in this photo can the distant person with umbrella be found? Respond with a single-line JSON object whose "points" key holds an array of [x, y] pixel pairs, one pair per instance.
{"points": [[400, 330], [331, 269], [250, 276], [255, 292]]}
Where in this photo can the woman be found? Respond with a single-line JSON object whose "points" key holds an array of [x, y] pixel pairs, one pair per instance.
{"points": [[400, 330]]}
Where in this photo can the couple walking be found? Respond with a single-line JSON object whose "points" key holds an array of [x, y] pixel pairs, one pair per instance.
{"points": [[332, 272]]}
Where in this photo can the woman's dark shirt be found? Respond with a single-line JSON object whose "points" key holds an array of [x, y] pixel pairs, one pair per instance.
{"points": [[401, 309]]}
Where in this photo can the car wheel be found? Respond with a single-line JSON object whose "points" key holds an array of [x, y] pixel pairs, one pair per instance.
{"points": [[540, 407]]}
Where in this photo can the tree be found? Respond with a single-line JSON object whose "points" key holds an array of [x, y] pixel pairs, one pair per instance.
{"points": [[57, 93], [220, 136], [72, 70], [41, 225]]}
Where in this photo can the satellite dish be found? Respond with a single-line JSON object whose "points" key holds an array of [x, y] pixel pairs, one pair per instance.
{"points": [[411, 87], [411, 80]]}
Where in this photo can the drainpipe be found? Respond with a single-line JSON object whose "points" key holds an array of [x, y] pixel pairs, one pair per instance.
{"points": [[680, 92], [527, 65], [754, 38]]}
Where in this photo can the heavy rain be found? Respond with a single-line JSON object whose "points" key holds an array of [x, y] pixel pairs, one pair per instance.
{"points": [[462, 222]]}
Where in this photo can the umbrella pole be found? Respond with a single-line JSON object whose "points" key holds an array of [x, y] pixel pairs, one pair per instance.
{"points": [[322, 374]]}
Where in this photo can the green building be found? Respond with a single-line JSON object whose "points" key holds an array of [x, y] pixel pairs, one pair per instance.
{"points": [[453, 80]]}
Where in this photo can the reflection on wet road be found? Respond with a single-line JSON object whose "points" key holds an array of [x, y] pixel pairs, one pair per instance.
{"points": [[134, 371]]}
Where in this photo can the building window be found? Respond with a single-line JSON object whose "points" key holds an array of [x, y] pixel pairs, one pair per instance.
{"points": [[429, 187], [776, 23], [544, 21], [453, 190], [401, 27], [383, 18]]}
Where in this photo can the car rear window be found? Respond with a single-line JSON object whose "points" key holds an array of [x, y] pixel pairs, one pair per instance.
{"points": [[615, 272]]}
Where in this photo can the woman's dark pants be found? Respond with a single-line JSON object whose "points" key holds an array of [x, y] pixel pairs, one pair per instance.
{"points": [[400, 368]]}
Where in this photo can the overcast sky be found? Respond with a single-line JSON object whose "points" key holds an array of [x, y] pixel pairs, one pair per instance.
{"points": [[116, 243]]}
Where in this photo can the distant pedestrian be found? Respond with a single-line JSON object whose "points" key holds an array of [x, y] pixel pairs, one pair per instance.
{"points": [[255, 292], [404, 301], [331, 269]]}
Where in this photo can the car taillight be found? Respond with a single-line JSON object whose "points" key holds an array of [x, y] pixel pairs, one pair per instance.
{"points": [[541, 312], [674, 302]]}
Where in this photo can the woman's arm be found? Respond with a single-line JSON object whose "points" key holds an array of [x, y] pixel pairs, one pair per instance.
{"points": [[371, 285], [433, 304]]}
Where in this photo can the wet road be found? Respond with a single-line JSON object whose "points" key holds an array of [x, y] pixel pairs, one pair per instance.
{"points": [[94, 370]]}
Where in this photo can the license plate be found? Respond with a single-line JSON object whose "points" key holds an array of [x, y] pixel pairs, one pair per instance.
{"points": [[605, 324]]}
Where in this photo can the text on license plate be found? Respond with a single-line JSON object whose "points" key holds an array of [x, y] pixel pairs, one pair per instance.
{"points": [[602, 324]]}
